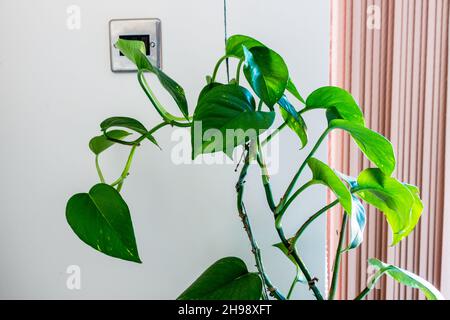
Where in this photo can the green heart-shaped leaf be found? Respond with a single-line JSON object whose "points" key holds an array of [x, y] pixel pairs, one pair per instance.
{"points": [[226, 279], [125, 122], [323, 174], [294, 121], [401, 207], [235, 43], [376, 147], [337, 99], [101, 219], [234, 48], [135, 51], [99, 144], [224, 118], [406, 278], [267, 74]]}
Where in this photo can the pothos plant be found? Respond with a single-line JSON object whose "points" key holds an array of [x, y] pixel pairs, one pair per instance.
{"points": [[101, 217]]}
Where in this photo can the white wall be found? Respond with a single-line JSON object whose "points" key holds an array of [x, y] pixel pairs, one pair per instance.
{"points": [[56, 87]]}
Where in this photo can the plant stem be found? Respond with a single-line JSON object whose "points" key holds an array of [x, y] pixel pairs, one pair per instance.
{"points": [[151, 131], [294, 283], [300, 170], [278, 130], [337, 259], [247, 226], [119, 182], [99, 171], [363, 293], [216, 68], [260, 104], [371, 283], [238, 70], [265, 178], [279, 228], [310, 220], [280, 214], [273, 134], [167, 117], [295, 255]]}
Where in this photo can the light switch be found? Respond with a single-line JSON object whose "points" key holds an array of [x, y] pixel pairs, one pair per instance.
{"points": [[145, 30]]}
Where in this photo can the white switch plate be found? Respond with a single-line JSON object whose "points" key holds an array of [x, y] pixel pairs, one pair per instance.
{"points": [[145, 29]]}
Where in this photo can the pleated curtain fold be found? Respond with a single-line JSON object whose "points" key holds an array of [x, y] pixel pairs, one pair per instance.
{"points": [[392, 55]]}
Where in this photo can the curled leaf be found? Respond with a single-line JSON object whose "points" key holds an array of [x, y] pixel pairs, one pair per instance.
{"points": [[406, 278]]}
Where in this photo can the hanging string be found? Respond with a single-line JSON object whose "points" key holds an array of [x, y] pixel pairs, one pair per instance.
{"points": [[226, 35]]}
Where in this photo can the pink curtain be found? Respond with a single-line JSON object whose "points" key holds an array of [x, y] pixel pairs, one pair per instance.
{"points": [[392, 55]]}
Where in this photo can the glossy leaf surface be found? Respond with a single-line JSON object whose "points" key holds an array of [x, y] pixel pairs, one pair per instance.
{"points": [[376, 147], [393, 198], [267, 74], [135, 51], [226, 279], [339, 99], [323, 174], [102, 220], [294, 121], [228, 118], [235, 44]]}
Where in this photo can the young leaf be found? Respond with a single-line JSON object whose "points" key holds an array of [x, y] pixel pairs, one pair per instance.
{"points": [[226, 279], [323, 174], [294, 121], [235, 43], [393, 198], [300, 277], [266, 73], [339, 99], [376, 147], [125, 122], [135, 51], [175, 90], [226, 113], [357, 224], [406, 278], [99, 144], [101, 219], [358, 216]]}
